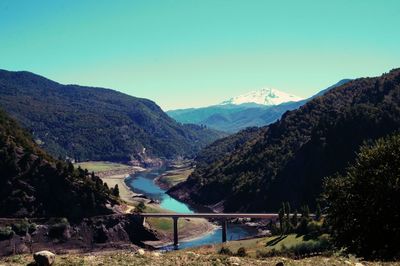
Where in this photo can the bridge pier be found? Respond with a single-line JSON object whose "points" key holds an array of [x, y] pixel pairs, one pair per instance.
{"points": [[175, 219], [224, 225]]}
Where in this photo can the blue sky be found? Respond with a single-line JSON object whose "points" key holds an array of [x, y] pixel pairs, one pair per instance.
{"points": [[193, 53]]}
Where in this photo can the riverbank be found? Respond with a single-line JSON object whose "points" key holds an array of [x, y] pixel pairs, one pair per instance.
{"points": [[116, 174], [178, 172]]}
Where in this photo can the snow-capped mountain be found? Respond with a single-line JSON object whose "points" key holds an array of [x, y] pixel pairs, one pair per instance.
{"points": [[265, 96], [256, 108]]}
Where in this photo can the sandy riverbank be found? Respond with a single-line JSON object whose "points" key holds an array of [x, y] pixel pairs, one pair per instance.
{"points": [[189, 229], [192, 229], [117, 177]]}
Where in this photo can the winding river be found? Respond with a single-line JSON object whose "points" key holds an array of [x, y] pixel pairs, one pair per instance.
{"points": [[143, 182]]}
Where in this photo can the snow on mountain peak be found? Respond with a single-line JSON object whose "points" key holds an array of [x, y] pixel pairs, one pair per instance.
{"points": [[265, 96]]}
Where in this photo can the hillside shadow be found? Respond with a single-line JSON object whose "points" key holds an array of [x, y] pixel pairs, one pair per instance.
{"points": [[275, 241]]}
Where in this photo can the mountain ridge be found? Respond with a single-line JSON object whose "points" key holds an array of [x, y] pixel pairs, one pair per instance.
{"points": [[90, 123]]}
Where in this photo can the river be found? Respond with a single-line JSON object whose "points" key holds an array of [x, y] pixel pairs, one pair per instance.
{"points": [[143, 182]]}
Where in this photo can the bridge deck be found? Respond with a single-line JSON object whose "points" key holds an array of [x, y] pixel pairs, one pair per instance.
{"points": [[210, 215]]}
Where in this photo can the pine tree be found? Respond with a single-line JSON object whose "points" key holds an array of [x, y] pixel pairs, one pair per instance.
{"points": [[116, 190], [282, 218], [70, 167], [318, 212], [295, 219], [288, 225]]}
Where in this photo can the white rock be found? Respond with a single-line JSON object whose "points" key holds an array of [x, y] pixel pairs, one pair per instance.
{"points": [[140, 251], [156, 254], [234, 261]]}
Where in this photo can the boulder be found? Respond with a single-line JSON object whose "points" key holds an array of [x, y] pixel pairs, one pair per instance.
{"points": [[234, 261], [44, 258], [140, 251]]}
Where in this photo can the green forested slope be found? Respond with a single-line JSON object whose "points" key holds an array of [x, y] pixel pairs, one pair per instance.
{"points": [[287, 160], [32, 184], [88, 123]]}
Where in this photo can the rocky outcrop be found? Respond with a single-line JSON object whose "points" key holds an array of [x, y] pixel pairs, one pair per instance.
{"points": [[102, 232]]}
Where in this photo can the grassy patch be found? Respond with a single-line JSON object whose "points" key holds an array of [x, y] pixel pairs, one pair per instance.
{"points": [[100, 166], [266, 244], [175, 177], [165, 224]]}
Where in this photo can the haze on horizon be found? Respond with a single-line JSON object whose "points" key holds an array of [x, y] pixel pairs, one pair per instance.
{"points": [[197, 53]]}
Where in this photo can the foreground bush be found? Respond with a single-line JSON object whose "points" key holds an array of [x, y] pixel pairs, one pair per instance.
{"points": [[241, 252], [321, 245], [23, 227], [6, 233], [225, 251], [364, 204]]}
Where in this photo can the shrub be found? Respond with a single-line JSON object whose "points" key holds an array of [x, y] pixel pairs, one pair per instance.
{"points": [[225, 251], [23, 227], [241, 252], [321, 245], [140, 207], [270, 253], [314, 229], [6, 233], [57, 227]]}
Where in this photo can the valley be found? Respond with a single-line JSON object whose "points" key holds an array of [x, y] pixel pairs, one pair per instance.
{"points": [[244, 172], [143, 185], [215, 133]]}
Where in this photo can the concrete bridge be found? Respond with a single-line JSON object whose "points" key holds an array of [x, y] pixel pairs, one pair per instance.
{"points": [[220, 216]]}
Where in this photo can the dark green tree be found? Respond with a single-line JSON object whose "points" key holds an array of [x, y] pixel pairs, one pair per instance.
{"points": [[318, 212], [295, 219], [140, 207], [363, 204], [115, 191], [281, 217], [288, 225], [70, 167], [305, 212]]}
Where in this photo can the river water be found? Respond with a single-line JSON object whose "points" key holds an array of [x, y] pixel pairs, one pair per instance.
{"points": [[143, 182]]}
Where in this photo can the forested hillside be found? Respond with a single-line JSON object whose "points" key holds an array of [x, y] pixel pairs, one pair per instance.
{"points": [[33, 184], [88, 123], [287, 160]]}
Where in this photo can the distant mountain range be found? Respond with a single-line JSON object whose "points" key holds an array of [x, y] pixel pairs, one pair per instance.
{"points": [[257, 169], [264, 96], [87, 123], [256, 108]]}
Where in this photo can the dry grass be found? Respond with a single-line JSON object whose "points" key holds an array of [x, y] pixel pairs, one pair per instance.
{"points": [[179, 258], [100, 166]]}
